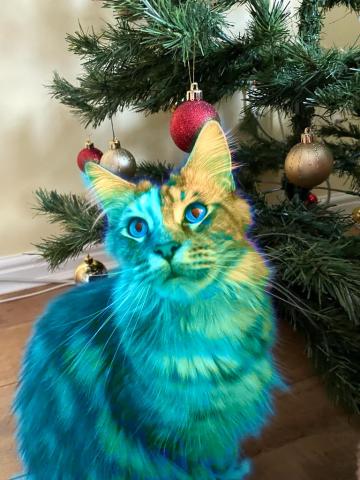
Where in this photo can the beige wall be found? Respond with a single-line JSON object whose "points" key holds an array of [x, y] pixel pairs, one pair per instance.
{"points": [[39, 138]]}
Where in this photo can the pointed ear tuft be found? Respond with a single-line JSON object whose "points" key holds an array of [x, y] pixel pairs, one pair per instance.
{"points": [[211, 156], [108, 188]]}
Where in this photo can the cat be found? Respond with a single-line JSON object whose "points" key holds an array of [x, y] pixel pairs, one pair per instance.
{"points": [[161, 370]]}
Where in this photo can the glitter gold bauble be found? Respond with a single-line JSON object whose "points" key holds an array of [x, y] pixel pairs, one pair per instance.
{"points": [[119, 160], [89, 270], [355, 215], [308, 163]]}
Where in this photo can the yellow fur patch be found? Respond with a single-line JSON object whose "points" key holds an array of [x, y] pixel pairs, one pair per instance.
{"points": [[251, 267]]}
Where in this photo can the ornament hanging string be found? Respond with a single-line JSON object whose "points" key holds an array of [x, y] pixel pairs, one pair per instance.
{"points": [[117, 160], [192, 77], [107, 94], [112, 127]]}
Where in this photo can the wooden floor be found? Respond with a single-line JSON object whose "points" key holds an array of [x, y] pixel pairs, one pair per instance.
{"points": [[309, 439]]}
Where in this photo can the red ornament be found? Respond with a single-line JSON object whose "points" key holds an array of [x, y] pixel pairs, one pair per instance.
{"points": [[311, 199], [88, 154], [189, 117]]}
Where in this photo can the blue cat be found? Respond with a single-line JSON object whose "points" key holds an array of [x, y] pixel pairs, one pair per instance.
{"points": [[161, 370]]}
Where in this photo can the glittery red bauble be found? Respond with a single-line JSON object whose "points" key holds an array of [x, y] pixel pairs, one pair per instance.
{"points": [[187, 120], [88, 154], [311, 199]]}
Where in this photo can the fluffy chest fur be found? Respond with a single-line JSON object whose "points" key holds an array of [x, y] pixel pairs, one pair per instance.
{"points": [[202, 371]]}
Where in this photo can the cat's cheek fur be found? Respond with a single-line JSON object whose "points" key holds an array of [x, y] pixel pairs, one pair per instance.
{"points": [[124, 249]]}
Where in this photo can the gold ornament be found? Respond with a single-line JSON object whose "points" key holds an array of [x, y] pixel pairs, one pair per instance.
{"points": [[308, 163], [355, 215], [119, 160], [89, 270]]}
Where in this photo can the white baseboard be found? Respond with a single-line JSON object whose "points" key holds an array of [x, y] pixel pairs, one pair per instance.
{"points": [[28, 270], [341, 201]]}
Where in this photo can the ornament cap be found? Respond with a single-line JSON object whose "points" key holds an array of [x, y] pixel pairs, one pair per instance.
{"points": [[355, 215], [194, 93], [115, 144], [88, 259], [89, 143], [307, 136]]}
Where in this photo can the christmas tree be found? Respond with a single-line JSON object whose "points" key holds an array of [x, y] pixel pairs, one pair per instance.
{"points": [[142, 60]]}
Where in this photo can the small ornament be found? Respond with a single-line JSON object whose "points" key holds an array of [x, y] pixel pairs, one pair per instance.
{"points": [[355, 215], [189, 117], [88, 154], [119, 160], [311, 199], [308, 163], [89, 270]]}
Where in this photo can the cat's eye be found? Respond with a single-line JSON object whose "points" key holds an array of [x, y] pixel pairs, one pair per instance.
{"points": [[137, 227], [195, 212]]}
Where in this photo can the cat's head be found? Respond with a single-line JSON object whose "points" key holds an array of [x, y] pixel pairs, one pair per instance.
{"points": [[184, 237]]}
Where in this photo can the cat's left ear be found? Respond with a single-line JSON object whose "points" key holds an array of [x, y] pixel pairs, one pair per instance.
{"points": [[109, 189], [211, 156]]}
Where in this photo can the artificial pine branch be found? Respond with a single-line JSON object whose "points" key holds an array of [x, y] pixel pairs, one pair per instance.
{"points": [[340, 95], [341, 129], [268, 25], [310, 21], [158, 172], [347, 152], [317, 288], [353, 4], [154, 54], [81, 223]]}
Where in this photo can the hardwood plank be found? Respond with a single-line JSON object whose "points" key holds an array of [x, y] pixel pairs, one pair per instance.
{"points": [[9, 463], [308, 439], [26, 310], [326, 455], [12, 342], [304, 410], [289, 349]]}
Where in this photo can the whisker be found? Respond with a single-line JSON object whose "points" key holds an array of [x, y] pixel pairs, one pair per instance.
{"points": [[122, 337], [104, 323]]}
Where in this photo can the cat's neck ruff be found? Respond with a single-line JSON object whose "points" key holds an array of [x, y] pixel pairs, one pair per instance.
{"points": [[141, 305]]}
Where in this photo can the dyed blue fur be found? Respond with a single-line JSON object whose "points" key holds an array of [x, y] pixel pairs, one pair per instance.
{"points": [[58, 408], [130, 378]]}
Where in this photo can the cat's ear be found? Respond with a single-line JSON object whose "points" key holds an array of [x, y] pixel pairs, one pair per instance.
{"points": [[211, 156], [108, 188]]}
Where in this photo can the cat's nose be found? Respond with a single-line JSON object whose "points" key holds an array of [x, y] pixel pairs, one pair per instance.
{"points": [[167, 250]]}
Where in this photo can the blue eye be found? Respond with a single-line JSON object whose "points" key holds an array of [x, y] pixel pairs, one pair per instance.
{"points": [[195, 212], [137, 228]]}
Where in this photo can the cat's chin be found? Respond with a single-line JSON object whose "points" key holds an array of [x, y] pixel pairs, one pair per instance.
{"points": [[180, 288]]}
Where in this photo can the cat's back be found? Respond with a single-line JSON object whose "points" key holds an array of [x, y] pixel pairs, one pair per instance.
{"points": [[73, 311], [60, 378], [68, 321]]}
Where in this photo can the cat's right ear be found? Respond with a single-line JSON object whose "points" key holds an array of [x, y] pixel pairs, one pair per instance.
{"points": [[109, 189]]}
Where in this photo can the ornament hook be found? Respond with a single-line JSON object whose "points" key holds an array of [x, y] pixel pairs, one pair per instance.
{"points": [[307, 136]]}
